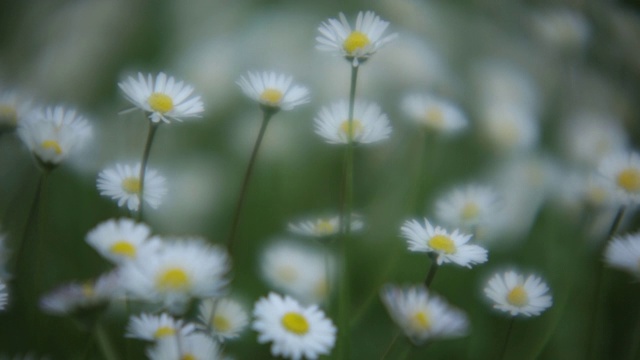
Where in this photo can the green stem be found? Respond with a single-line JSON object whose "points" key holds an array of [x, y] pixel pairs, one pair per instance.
{"points": [[104, 342], [20, 252], [432, 272], [506, 339], [388, 350], [153, 127]]}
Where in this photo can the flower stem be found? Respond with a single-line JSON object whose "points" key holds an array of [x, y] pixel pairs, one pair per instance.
{"points": [[506, 339], [393, 342], [432, 272], [104, 342], [153, 127], [267, 114]]}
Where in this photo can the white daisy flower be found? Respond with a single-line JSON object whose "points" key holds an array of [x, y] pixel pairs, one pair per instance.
{"points": [[448, 247], [423, 316], [509, 127], [4, 295], [53, 134], [224, 318], [295, 331], [73, 297], [437, 114], [164, 99], [355, 45], [323, 226], [13, 108], [514, 294], [156, 327], [369, 124], [195, 346], [467, 206], [273, 91], [623, 170], [121, 240], [122, 184], [180, 270], [623, 252]]}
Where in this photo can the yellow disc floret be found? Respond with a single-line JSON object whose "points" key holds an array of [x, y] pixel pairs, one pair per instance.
{"points": [[629, 179], [131, 185], [164, 331], [420, 321], [52, 145], [123, 248], [8, 115], [295, 323], [470, 211], [221, 323], [351, 129], [271, 96], [434, 117], [173, 279], [160, 102], [518, 296], [442, 243], [355, 41], [324, 227], [188, 356]]}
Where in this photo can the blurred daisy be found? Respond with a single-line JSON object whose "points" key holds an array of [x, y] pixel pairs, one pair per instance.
{"points": [[467, 206], [74, 297], [156, 327], [589, 137], [122, 184], [273, 91], [514, 294], [369, 124], [13, 108], [164, 99], [623, 170], [423, 316], [195, 346], [355, 45], [295, 331], [561, 27], [121, 240], [435, 113], [53, 133], [224, 318], [323, 226], [448, 247], [509, 127], [623, 252], [4, 295]]}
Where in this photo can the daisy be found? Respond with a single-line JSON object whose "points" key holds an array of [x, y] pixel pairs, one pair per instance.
{"points": [[122, 183], [514, 294], [156, 327], [224, 318], [509, 126], [13, 108], [121, 240], [164, 99], [323, 226], [355, 45], [369, 124], [435, 113], [448, 247], [180, 270], [467, 206], [75, 297], [195, 346], [623, 252], [53, 134], [295, 331], [423, 316], [4, 295], [623, 170], [590, 137], [273, 91]]}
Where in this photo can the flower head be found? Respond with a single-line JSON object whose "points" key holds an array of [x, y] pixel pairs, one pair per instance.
{"points": [[164, 99], [273, 91], [13, 108], [156, 327], [224, 318], [355, 45], [294, 330], [623, 170], [435, 113], [467, 206], [513, 293], [122, 183], [4, 295], [322, 227], [368, 125], [77, 297], [195, 346], [121, 240], [623, 252]]}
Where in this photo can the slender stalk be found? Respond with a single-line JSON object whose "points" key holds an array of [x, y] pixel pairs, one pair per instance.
{"points": [[20, 253], [153, 127], [506, 339], [104, 342], [432, 272], [267, 114], [388, 350]]}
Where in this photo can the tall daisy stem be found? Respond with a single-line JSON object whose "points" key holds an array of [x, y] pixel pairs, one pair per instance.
{"points": [[104, 342], [432, 273], [506, 339], [153, 127], [267, 114]]}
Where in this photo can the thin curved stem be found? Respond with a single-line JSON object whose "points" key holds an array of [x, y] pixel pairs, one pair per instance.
{"points": [[153, 127], [506, 339], [432, 273]]}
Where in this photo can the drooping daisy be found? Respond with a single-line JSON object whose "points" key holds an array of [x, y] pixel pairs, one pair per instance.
{"points": [[53, 134], [13, 108], [323, 226], [295, 331], [181, 269], [195, 346], [369, 124], [513, 293], [224, 318], [449, 247], [467, 206], [421, 315], [437, 114], [4, 295], [155, 327], [623, 170], [75, 297], [122, 183], [164, 99], [623, 252], [121, 240], [355, 45], [273, 91]]}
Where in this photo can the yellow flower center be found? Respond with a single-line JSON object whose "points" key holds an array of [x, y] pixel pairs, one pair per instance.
{"points": [[324, 227], [287, 273], [123, 248], [8, 114], [164, 331], [131, 185], [518, 296], [321, 289], [351, 129], [271, 96], [442, 243], [221, 323], [355, 41], [173, 279], [420, 321], [469, 211], [434, 117], [188, 357], [629, 179], [295, 323], [52, 145], [88, 290], [160, 102]]}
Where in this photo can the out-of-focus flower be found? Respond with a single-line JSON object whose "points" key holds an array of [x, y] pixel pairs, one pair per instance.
{"points": [[322, 227], [13, 108], [623, 170], [513, 293], [122, 183], [435, 113], [195, 346], [623, 252], [75, 298], [223, 318], [122, 240], [467, 206], [273, 91], [156, 327], [369, 124]]}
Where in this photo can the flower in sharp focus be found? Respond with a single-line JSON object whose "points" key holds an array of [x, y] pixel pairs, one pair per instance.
{"points": [[122, 240], [13, 108], [156, 327], [623, 170], [421, 315], [53, 133], [273, 91], [4, 295], [224, 318], [623, 252], [322, 227], [513, 293], [368, 125], [122, 183], [437, 114], [355, 45], [163, 98], [448, 247], [295, 331], [467, 206], [195, 346]]}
